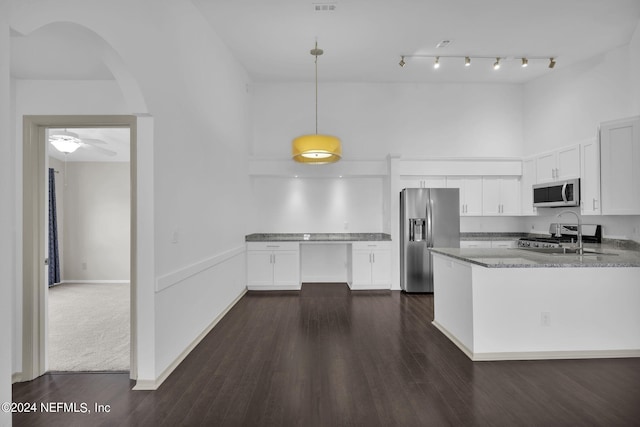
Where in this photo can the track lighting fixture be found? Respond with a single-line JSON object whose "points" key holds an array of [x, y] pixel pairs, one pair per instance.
{"points": [[524, 61]]}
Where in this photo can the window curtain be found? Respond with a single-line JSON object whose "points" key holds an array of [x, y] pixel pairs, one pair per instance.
{"points": [[54, 259]]}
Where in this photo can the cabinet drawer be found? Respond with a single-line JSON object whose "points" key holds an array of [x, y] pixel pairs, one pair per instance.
{"points": [[475, 243], [273, 246], [371, 246]]}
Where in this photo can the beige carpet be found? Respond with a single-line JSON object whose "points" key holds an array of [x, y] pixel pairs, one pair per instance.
{"points": [[89, 327]]}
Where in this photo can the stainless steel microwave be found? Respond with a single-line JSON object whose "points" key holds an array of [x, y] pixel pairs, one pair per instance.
{"points": [[557, 194]]}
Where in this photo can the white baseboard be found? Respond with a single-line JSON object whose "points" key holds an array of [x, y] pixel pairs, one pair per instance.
{"points": [[549, 355], [453, 339], [154, 384], [91, 282], [369, 287], [538, 355], [16, 377]]}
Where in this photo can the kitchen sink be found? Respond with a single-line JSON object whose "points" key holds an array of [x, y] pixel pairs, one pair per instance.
{"points": [[565, 251]]}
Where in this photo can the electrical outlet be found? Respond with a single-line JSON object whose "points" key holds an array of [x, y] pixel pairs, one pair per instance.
{"points": [[346, 225], [545, 318], [175, 237]]}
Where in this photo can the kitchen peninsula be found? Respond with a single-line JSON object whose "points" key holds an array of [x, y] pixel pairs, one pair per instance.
{"points": [[276, 261], [517, 304]]}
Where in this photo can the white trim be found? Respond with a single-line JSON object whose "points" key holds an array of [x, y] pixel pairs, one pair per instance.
{"points": [[170, 279], [16, 377], [296, 287], [154, 384], [369, 287], [547, 355], [453, 339], [94, 281], [538, 355], [344, 168]]}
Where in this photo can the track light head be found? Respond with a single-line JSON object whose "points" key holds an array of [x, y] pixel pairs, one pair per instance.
{"points": [[525, 62], [552, 62], [436, 64], [467, 61], [402, 63], [496, 65]]}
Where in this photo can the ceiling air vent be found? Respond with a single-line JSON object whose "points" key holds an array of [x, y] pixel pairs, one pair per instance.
{"points": [[324, 7]]}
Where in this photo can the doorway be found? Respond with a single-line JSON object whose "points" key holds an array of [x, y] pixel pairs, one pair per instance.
{"points": [[88, 292], [35, 233]]}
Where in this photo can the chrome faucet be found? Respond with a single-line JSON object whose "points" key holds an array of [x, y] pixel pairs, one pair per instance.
{"points": [[580, 248]]}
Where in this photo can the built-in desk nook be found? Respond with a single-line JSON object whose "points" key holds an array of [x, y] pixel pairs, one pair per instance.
{"points": [[284, 261]]}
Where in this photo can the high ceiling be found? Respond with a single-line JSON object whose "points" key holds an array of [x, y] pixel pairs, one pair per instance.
{"points": [[364, 39]]}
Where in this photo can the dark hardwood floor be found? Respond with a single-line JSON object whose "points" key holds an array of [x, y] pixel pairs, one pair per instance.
{"points": [[326, 356]]}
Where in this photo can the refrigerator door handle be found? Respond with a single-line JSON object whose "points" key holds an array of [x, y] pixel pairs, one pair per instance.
{"points": [[430, 223]]}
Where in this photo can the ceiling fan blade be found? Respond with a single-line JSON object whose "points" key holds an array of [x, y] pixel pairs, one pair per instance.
{"points": [[91, 141], [101, 150]]}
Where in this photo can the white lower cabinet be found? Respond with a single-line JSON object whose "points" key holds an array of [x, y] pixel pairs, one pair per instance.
{"points": [[475, 244], [273, 265], [504, 244], [370, 265], [488, 244]]}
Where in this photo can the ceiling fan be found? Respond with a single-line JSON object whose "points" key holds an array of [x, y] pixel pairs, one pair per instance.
{"points": [[67, 142]]}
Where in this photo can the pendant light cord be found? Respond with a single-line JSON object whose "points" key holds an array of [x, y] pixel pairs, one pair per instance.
{"points": [[316, 62]]}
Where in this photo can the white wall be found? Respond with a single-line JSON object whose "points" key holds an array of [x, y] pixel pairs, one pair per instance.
{"points": [[373, 120], [316, 205], [7, 213], [626, 227], [565, 107], [96, 221], [199, 104]]}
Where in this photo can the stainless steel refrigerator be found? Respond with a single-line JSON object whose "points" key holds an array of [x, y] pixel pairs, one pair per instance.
{"points": [[429, 217]]}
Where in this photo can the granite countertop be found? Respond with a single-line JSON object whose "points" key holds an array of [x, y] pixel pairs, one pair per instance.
{"points": [[317, 237], [523, 258]]}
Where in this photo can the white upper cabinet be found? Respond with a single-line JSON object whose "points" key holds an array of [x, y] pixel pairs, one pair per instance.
{"points": [[558, 165], [590, 178], [470, 194], [423, 181], [526, 188], [500, 195], [620, 166]]}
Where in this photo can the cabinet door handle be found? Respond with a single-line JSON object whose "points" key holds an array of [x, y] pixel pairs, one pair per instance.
{"points": [[594, 204], [373, 256]]}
